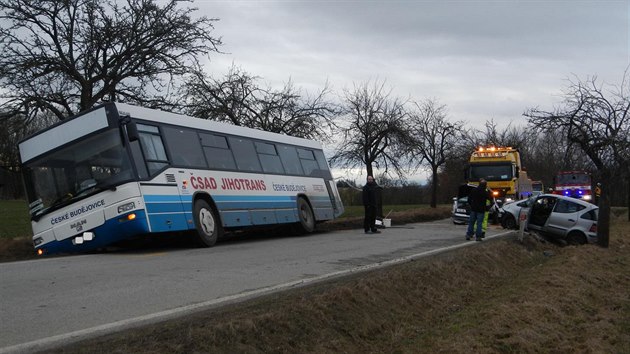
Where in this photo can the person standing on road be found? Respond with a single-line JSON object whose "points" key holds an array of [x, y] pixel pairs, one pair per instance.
{"points": [[369, 203], [478, 205], [486, 215]]}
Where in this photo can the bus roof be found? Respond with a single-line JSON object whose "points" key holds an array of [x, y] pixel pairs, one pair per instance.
{"points": [[205, 124], [100, 117]]}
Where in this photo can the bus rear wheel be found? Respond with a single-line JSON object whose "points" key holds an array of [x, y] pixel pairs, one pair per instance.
{"points": [[305, 214], [206, 223]]}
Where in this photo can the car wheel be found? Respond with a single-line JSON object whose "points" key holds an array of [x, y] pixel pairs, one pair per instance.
{"points": [[576, 238], [508, 221], [207, 224], [305, 214]]}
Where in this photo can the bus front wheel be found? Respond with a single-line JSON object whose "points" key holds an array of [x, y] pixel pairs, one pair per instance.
{"points": [[206, 223], [305, 214]]}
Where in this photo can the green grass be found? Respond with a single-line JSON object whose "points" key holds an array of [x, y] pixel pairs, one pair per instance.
{"points": [[14, 219]]}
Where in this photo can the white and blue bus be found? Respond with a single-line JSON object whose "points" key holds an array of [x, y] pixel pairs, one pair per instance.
{"points": [[118, 171]]}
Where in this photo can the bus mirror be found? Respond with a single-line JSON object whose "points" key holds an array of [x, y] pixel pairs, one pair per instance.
{"points": [[132, 131]]}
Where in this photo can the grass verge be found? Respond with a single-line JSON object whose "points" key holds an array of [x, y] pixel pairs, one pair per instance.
{"points": [[501, 296]]}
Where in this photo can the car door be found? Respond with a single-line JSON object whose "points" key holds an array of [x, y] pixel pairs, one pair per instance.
{"points": [[540, 211], [520, 206], [564, 216]]}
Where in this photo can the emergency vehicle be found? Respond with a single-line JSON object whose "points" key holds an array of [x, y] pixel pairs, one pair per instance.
{"points": [[576, 184]]}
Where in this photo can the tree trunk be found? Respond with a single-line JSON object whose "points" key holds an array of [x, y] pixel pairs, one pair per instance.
{"points": [[434, 187], [603, 222]]}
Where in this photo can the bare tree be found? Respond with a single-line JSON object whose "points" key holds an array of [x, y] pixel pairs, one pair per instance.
{"points": [[597, 121], [374, 132], [67, 56], [237, 98], [433, 138], [13, 130], [227, 99]]}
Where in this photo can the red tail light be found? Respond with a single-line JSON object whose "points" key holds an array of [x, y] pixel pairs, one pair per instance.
{"points": [[593, 228]]}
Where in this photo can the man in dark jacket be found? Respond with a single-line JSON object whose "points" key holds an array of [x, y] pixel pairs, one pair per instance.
{"points": [[369, 203], [478, 199]]}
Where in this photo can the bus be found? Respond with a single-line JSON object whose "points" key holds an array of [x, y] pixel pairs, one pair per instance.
{"points": [[118, 171], [538, 187]]}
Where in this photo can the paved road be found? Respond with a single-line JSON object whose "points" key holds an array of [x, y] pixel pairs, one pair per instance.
{"points": [[57, 300]]}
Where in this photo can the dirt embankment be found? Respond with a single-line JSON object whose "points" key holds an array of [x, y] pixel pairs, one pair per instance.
{"points": [[500, 296]]}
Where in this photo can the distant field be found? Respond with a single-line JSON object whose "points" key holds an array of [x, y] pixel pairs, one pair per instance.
{"points": [[14, 219], [357, 210]]}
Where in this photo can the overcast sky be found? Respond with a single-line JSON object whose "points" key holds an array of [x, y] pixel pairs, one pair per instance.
{"points": [[482, 59]]}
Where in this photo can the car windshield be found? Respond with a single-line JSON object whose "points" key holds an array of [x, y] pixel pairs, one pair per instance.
{"points": [[527, 203], [76, 171], [491, 172]]}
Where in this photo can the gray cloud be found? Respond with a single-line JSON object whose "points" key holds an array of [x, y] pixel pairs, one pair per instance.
{"points": [[484, 59]]}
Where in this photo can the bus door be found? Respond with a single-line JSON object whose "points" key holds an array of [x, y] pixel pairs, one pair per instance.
{"points": [[335, 199]]}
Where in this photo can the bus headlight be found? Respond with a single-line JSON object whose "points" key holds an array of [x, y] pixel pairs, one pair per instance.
{"points": [[128, 217], [126, 207]]}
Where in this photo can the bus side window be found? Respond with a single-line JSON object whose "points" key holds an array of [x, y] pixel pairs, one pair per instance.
{"points": [[217, 151], [290, 161], [310, 166], [184, 147], [269, 158], [153, 148], [245, 154], [323, 165]]}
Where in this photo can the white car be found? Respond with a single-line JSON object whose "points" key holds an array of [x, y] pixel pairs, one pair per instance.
{"points": [[509, 213], [461, 209], [570, 219]]}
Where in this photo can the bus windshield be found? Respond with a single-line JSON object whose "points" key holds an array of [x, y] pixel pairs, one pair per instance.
{"points": [[76, 171], [491, 172]]}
